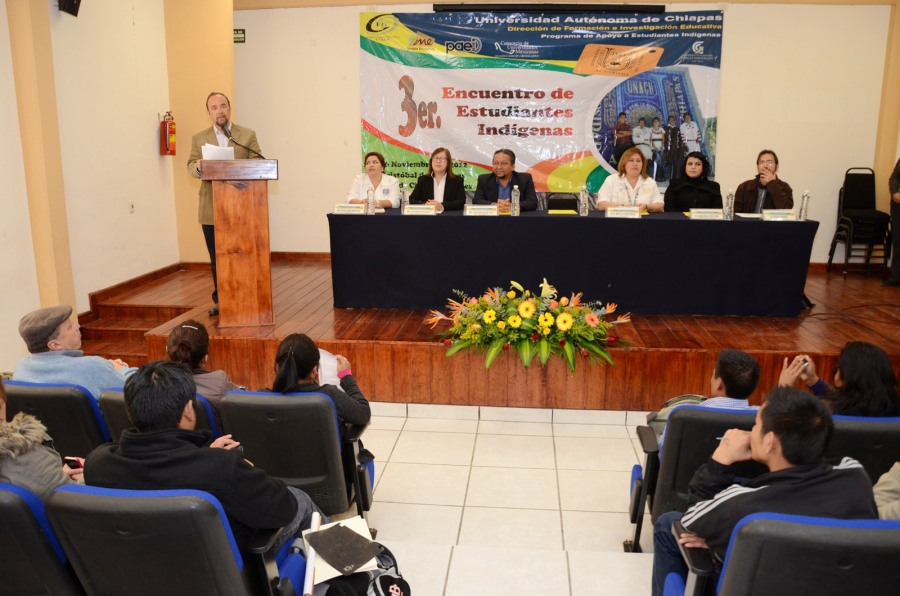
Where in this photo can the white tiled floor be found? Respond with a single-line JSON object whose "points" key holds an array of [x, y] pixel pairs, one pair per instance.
{"points": [[508, 502]]}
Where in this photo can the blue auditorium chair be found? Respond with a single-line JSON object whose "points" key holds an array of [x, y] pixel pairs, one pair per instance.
{"points": [[71, 415], [297, 438], [873, 442], [772, 554], [149, 543], [692, 434], [31, 558], [112, 404]]}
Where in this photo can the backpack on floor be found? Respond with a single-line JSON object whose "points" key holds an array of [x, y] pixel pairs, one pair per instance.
{"points": [[384, 581]]}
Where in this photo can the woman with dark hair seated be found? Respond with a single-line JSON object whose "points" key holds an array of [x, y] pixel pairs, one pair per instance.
{"points": [[441, 186], [27, 457], [864, 381], [189, 344], [693, 189], [297, 371]]}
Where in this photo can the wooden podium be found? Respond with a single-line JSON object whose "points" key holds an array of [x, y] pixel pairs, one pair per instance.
{"points": [[243, 262]]}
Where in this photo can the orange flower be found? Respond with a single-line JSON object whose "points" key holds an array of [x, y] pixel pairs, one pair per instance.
{"points": [[435, 318], [626, 318], [611, 307], [455, 306], [591, 319], [492, 294], [576, 299]]}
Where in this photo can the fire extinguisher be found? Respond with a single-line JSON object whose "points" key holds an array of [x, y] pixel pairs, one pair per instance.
{"points": [[167, 135]]}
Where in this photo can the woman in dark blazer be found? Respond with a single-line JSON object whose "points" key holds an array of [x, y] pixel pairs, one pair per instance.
{"points": [[693, 188], [440, 187]]}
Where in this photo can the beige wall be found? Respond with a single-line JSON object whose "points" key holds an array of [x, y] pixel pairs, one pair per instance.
{"points": [[794, 93], [199, 44], [111, 82], [17, 270]]}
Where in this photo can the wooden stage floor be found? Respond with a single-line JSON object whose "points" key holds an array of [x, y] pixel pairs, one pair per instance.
{"points": [[396, 358]]}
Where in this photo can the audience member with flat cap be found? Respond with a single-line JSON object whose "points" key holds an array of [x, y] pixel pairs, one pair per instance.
{"points": [[27, 457], [441, 186], [864, 381], [766, 190], [693, 189], [385, 187], [498, 186], [54, 340], [632, 186], [163, 451], [223, 133], [791, 434]]}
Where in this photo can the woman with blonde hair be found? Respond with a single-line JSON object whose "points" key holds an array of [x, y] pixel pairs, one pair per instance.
{"points": [[631, 186]]}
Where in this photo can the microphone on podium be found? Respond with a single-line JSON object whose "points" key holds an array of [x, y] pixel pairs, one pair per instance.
{"points": [[231, 138]]}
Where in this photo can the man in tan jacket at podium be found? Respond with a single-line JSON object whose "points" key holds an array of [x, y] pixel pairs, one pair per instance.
{"points": [[223, 133]]}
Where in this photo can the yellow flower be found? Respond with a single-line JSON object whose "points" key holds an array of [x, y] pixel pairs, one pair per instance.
{"points": [[490, 316], [501, 325], [545, 320], [527, 309], [514, 321], [546, 331], [564, 321], [475, 326], [528, 292], [510, 294], [563, 301]]}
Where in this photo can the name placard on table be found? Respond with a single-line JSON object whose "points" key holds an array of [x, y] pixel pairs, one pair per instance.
{"points": [[419, 210], [624, 212], [345, 209], [708, 214], [779, 215], [480, 210]]}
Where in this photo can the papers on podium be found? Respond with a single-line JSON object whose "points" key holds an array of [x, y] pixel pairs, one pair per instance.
{"points": [[216, 152]]}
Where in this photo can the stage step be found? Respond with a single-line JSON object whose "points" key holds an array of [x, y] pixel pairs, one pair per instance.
{"points": [[113, 330], [134, 353]]}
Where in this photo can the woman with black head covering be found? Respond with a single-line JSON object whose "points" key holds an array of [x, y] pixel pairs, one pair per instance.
{"points": [[693, 188]]}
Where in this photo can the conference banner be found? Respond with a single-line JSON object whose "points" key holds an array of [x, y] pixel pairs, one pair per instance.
{"points": [[550, 87]]}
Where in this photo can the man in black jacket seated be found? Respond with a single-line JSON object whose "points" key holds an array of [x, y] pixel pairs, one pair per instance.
{"points": [[790, 437], [164, 452], [498, 187]]}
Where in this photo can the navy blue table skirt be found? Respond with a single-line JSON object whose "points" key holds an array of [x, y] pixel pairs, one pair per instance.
{"points": [[662, 264]]}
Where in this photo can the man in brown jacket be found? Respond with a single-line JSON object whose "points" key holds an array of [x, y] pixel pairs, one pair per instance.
{"points": [[766, 190], [223, 133]]}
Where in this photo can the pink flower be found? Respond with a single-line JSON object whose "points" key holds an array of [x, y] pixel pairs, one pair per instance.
{"points": [[473, 300], [591, 319], [553, 304]]}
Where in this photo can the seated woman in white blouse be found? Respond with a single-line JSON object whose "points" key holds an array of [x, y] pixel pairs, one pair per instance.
{"points": [[632, 186], [387, 189], [441, 186]]}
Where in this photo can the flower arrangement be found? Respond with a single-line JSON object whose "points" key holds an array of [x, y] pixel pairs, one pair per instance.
{"points": [[532, 324]]}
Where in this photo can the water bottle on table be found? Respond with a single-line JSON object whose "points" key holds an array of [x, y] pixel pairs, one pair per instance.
{"points": [[404, 200], [370, 202], [583, 201], [515, 195]]}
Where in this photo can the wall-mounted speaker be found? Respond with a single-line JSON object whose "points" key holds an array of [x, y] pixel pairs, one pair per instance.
{"points": [[70, 6]]}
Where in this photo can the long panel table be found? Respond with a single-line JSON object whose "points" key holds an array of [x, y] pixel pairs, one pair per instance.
{"points": [[663, 263]]}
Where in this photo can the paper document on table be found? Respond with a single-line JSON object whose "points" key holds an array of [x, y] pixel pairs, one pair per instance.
{"points": [[216, 152], [324, 571]]}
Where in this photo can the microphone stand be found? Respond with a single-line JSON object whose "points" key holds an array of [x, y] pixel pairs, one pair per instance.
{"points": [[231, 138]]}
